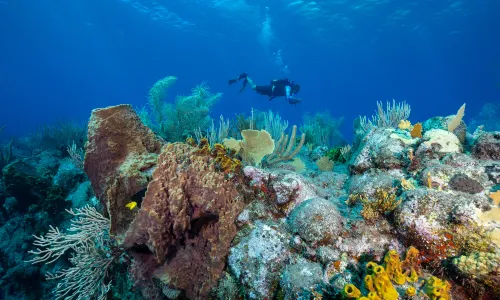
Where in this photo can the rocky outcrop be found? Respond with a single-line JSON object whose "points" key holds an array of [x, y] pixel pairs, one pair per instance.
{"points": [[487, 146]]}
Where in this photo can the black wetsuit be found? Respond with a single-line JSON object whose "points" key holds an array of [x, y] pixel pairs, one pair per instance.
{"points": [[276, 88]]}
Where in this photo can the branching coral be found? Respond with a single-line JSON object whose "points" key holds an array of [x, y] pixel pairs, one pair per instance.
{"points": [[382, 202], [390, 117], [322, 129], [6, 154], [283, 154], [88, 238], [155, 116], [176, 121], [189, 113]]}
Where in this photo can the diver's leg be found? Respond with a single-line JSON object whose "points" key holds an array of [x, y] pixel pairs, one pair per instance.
{"points": [[252, 84]]}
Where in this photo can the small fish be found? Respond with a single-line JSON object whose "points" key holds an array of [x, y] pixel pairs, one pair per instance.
{"points": [[131, 205]]}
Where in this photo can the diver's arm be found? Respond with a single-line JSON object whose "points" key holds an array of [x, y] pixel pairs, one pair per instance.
{"points": [[291, 99]]}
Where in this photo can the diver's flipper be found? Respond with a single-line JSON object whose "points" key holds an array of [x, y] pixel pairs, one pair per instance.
{"points": [[242, 76]]}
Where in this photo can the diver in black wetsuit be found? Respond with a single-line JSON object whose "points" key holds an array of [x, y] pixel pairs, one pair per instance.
{"points": [[277, 88]]}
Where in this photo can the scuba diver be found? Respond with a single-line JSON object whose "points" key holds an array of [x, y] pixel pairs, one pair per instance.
{"points": [[277, 88]]}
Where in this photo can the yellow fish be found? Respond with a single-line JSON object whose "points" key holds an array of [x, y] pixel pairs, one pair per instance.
{"points": [[131, 205]]}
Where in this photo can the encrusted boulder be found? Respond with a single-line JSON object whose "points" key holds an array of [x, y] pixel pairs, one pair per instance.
{"points": [[368, 182], [31, 181], [316, 221], [380, 149], [258, 259], [285, 188], [457, 172], [121, 154], [300, 279], [487, 146], [442, 124], [442, 224]]}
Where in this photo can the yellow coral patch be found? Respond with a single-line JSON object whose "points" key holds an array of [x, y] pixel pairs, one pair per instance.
{"points": [[491, 219], [404, 124], [416, 132], [325, 164], [298, 164], [407, 185], [495, 196], [437, 289]]}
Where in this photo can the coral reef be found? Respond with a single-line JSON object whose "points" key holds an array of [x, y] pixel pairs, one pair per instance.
{"points": [[406, 212]]}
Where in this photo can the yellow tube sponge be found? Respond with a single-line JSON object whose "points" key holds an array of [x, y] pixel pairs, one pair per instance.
{"points": [[437, 289], [369, 283], [411, 291], [411, 264], [383, 284], [370, 267], [351, 291], [392, 265], [373, 296]]}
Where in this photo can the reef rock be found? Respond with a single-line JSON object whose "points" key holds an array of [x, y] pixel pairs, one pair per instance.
{"points": [[442, 224], [442, 141], [259, 258], [31, 181], [316, 221], [285, 188], [301, 278], [379, 149], [487, 146], [442, 124], [370, 181], [121, 154]]}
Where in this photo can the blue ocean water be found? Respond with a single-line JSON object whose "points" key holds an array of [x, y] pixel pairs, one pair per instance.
{"points": [[113, 211], [61, 59]]}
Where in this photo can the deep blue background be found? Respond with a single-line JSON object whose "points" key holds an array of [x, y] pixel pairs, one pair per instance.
{"points": [[62, 58]]}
